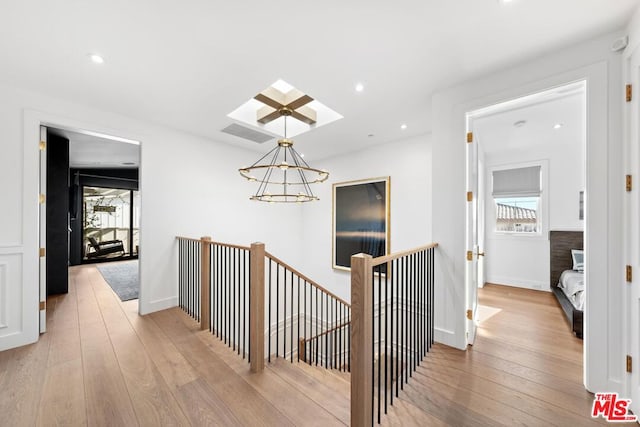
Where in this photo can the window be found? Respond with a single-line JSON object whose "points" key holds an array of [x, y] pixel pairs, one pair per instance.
{"points": [[516, 193]]}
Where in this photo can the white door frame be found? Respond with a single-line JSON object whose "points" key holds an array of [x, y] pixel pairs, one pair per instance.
{"points": [[42, 250], [597, 375], [472, 247], [31, 212], [631, 242]]}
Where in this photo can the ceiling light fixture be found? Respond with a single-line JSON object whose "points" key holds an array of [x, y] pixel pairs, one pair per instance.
{"points": [[558, 125], [283, 166], [403, 126], [97, 59], [359, 87]]}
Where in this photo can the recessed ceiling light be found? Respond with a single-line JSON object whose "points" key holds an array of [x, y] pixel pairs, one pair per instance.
{"points": [[505, 1], [97, 59], [359, 87], [403, 126], [558, 125], [520, 123]]}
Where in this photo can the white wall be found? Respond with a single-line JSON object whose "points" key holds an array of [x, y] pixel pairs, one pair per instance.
{"points": [[520, 260], [189, 186], [593, 61], [408, 163]]}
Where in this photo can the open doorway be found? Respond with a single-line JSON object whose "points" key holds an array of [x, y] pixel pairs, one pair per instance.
{"points": [[90, 211], [530, 168]]}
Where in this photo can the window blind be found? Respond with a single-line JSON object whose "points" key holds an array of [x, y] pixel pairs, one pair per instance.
{"points": [[519, 182]]}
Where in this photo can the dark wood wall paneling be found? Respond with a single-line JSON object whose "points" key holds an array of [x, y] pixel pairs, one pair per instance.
{"points": [[561, 243]]}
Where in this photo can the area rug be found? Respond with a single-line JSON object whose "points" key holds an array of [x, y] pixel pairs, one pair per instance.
{"points": [[122, 277]]}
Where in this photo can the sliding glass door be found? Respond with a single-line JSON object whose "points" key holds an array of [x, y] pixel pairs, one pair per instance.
{"points": [[111, 219]]}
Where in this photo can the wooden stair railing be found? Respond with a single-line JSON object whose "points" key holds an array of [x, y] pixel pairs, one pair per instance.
{"points": [[392, 328], [231, 290], [300, 310], [330, 349]]}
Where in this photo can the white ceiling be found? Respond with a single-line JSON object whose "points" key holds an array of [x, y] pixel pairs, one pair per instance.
{"points": [[92, 151], [188, 64], [496, 131]]}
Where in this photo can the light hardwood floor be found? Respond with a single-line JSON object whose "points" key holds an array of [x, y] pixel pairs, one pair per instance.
{"points": [[102, 364]]}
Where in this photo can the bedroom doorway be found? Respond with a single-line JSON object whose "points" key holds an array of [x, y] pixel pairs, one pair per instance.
{"points": [[528, 157]]}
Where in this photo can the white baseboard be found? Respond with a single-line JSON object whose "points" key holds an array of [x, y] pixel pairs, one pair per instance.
{"points": [[158, 305], [446, 337], [520, 283]]}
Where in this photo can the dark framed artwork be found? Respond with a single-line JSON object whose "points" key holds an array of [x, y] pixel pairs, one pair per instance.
{"points": [[360, 220]]}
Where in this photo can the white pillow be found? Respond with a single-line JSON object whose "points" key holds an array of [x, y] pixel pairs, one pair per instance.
{"points": [[577, 255]]}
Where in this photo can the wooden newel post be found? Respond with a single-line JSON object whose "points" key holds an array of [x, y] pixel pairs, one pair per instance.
{"points": [[256, 308], [205, 282], [302, 349], [361, 340]]}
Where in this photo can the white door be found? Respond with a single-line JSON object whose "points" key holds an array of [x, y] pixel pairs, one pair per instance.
{"points": [[471, 272], [43, 229]]}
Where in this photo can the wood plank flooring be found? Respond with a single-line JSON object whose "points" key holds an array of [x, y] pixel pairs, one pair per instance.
{"points": [[100, 363]]}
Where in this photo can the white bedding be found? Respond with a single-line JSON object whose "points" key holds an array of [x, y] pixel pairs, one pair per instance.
{"points": [[572, 284]]}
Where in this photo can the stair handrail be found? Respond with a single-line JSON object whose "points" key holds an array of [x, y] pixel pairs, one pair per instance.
{"points": [[305, 277]]}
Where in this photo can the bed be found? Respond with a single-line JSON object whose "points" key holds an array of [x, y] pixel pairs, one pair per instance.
{"points": [[567, 284]]}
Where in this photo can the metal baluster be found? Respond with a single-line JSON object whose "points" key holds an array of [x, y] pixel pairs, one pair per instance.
{"points": [[306, 354], [419, 302], [373, 341], [423, 333], [291, 319], [393, 363], [326, 336], [180, 272], [196, 292], [402, 323], [233, 309], [284, 315], [269, 300], [349, 337], [277, 309], [412, 284], [298, 318], [213, 271], [229, 331], [248, 254], [245, 292], [406, 319], [386, 342], [187, 287], [317, 326], [432, 292], [379, 339], [211, 297], [341, 337], [220, 292]]}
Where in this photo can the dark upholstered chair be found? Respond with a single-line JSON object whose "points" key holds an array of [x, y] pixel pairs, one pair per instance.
{"points": [[104, 248]]}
